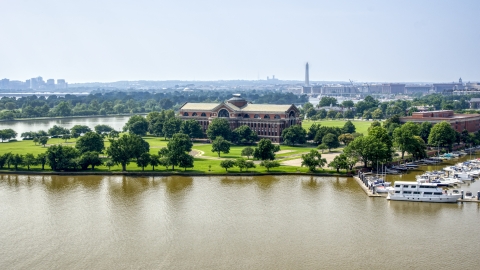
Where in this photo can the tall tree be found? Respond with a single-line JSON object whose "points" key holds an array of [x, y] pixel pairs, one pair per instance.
{"points": [[294, 134], [404, 137], [7, 134], [191, 128], [143, 160], [61, 157], [137, 124], [219, 127], [348, 127], [29, 160], [312, 160], [244, 135], [90, 142], [177, 147], [442, 134], [171, 126], [265, 150], [127, 147], [247, 152], [80, 129], [368, 149], [103, 129], [89, 159], [220, 145], [339, 162], [331, 141], [425, 129]]}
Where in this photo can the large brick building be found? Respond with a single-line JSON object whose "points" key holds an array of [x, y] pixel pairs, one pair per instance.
{"points": [[267, 120], [459, 122]]}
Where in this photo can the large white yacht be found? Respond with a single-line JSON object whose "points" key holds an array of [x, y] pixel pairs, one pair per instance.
{"points": [[420, 192]]}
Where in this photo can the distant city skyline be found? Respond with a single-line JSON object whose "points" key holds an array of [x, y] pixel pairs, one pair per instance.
{"points": [[366, 41]]}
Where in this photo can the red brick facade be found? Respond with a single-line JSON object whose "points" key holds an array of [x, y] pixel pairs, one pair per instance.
{"points": [[459, 122], [267, 120]]}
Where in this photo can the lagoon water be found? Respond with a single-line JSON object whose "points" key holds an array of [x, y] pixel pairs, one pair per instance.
{"points": [[267, 222], [116, 122]]}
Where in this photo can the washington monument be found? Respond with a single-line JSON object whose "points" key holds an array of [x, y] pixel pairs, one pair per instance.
{"points": [[307, 81]]}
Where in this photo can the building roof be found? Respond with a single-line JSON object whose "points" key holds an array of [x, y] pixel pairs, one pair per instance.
{"points": [[475, 100], [247, 108], [199, 106], [266, 108]]}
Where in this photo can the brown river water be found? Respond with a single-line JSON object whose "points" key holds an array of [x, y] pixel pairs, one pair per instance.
{"points": [[267, 222]]}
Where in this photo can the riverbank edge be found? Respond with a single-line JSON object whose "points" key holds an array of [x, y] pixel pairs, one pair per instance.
{"points": [[72, 117], [140, 174]]}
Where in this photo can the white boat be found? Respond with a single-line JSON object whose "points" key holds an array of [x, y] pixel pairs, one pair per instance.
{"points": [[420, 192], [468, 195]]}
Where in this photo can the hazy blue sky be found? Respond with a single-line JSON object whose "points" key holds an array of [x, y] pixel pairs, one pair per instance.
{"points": [[102, 40]]}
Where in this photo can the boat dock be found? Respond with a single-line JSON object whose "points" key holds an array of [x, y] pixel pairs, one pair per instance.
{"points": [[368, 191]]}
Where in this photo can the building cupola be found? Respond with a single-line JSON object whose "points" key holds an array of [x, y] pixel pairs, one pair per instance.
{"points": [[237, 100]]}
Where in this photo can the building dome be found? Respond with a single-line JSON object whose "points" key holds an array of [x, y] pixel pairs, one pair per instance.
{"points": [[237, 100]]}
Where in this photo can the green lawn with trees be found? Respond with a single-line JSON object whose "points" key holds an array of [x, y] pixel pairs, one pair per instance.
{"points": [[361, 126]]}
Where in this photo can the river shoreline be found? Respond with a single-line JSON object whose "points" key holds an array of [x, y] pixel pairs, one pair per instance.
{"points": [[160, 173], [71, 117]]}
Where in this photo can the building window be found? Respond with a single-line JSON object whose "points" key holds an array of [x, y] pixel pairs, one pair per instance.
{"points": [[203, 114], [266, 116], [194, 114], [246, 116], [256, 116], [277, 116], [223, 113], [185, 114]]}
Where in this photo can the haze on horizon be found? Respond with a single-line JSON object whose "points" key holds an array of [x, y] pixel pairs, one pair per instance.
{"points": [[372, 40]]}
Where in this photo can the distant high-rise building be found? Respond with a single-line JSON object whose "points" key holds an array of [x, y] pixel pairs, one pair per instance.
{"points": [[33, 83], [61, 84], [50, 83], [307, 80], [4, 83]]}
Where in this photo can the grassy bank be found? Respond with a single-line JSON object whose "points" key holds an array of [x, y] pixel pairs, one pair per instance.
{"points": [[206, 161], [360, 126]]}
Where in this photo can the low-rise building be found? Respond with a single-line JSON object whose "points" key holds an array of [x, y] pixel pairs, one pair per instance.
{"points": [[459, 122], [267, 120]]}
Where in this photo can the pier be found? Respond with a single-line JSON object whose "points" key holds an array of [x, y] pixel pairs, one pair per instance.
{"points": [[368, 191]]}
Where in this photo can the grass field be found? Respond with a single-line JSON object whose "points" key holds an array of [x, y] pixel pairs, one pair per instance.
{"points": [[360, 126], [207, 163]]}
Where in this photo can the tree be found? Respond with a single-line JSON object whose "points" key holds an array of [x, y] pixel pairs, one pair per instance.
{"points": [[247, 152], [36, 140], [63, 109], [220, 145], [348, 114], [331, 141], [7, 157], [171, 127], [191, 128], [327, 101], [377, 114], [143, 160], [381, 134], [425, 129], [42, 160], [166, 103], [348, 127], [125, 148], [464, 136], [56, 131], [265, 150], [348, 104], [312, 131], [227, 164], [185, 161], [61, 157], [322, 147], [368, 149], [109, 164], [418, 148], [241, 163], [249, 165], [154, 161], [80, 129], [43, 140], [346, 138], [155, 122], [442, 134], [90, 142], [7, 134], [219, 127], [339, 162], [313, 160], [66, 137], [90, 158], [16, 160], [103, 129], [403, 137], [268, 164], [244, 135], [29, 160], [177, 147], [137, 125], [331, 114], [294, 134]]}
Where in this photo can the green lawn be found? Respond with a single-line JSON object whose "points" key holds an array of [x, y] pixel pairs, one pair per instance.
{"points": [[361, 126], [201, 165]]}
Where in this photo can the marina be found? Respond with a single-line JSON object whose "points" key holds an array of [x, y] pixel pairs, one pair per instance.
{"points": [[447, 178]]}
